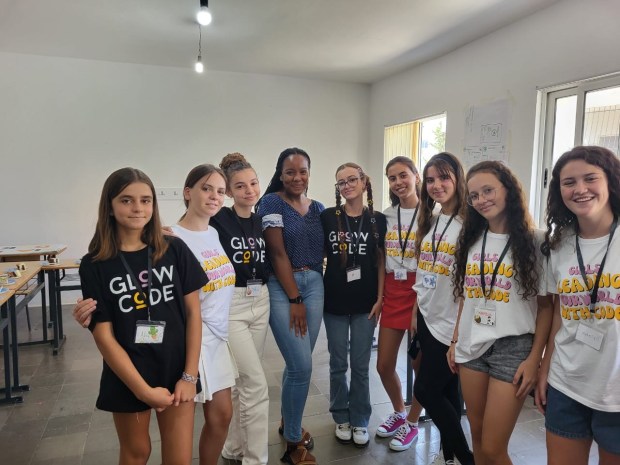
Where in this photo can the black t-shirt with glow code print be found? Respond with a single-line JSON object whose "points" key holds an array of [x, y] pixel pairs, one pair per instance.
{"points": [[175, 275]]}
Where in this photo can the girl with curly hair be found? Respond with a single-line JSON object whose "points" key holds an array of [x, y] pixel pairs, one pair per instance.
{"points": [[436, 387], [504, 312], [353, 288], [579, 377]]}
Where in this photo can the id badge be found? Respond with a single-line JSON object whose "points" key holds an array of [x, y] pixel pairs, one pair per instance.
{"points": [[400, 274], [150, 332], [354, 273], [429, 281], [484, 314], [254, 287], [589, 336]]}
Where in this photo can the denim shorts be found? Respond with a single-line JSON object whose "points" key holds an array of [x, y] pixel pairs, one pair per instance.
{"points": [[503, 358], [570, 419]]}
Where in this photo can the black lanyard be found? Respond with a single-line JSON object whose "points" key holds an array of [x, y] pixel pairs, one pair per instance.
{"points": [[247, 241], [359, 235], [496, 268], [403, 247], [136, 284], [582, 268], [433, 250]]}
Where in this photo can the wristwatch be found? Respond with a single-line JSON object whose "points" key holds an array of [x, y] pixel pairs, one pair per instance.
{"points": [[296, 300]]}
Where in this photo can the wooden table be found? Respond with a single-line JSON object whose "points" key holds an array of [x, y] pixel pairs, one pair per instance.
{"points": [[53, 279], [10, 310], [29, 252]]}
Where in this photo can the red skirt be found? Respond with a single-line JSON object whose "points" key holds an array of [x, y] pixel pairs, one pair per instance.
{"points": [[398, 300]]}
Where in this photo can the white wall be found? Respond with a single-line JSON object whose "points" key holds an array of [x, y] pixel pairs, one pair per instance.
{"points": [[570, 40], [66, 124]]}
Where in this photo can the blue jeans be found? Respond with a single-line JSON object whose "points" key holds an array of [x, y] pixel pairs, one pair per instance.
{"points": [[349, 403], [296, 350]]}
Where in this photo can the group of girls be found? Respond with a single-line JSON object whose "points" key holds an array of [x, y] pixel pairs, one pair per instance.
{"points": [[492, 295], [456, 261]]}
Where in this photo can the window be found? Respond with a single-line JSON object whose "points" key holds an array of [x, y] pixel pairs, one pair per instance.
{"points": [[418, 140], [581, 113]]}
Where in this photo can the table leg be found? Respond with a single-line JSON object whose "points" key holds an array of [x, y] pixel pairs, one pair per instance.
{"points": [[8, 396], [15, 347]]}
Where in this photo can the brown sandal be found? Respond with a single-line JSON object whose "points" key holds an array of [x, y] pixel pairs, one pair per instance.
{"points": [[297, 454], [306, 438]]}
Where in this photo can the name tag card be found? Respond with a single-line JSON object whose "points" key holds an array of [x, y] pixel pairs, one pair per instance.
{"points": [[429, 281], [150, 332], [485, 314], [590, 336], [254, 288], [400, 274], [354, 273]]}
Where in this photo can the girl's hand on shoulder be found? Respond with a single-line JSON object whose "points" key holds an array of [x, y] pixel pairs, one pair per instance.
{"points": [[526, 374], [158, 397], [184, 391], [83, 310], [375, 312], [454, 367], [298, 320], [167, 231]]}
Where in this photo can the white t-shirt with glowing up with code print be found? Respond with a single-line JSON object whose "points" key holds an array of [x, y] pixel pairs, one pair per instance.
{"points": [[589, 376], [437, 304], [216, 295], [513, 315], [393, 248]]}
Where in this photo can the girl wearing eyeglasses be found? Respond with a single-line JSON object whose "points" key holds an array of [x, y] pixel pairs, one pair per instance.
{"points": [[504, 313], [353, 283]]}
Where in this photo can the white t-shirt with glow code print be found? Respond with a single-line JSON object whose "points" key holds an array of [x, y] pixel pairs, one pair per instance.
{"points": [[438, 305], [514, 316], [393, 249], [589, 376]]}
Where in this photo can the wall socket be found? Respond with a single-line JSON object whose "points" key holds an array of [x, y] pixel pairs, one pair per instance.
{"points": [[169, 193]]}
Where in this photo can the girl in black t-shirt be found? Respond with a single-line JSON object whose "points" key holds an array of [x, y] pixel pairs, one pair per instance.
{"points": [[241, 235], [353, 297], [147, 322]]}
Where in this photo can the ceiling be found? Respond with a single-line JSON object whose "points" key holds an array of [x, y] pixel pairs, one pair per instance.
{"points": [[345, 40]]}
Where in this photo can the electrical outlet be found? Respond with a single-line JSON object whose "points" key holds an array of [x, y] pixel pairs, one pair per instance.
{"points": [[169, 193]]}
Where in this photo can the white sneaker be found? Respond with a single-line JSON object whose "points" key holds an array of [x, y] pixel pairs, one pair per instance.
{"points": [[343, 433], [360, 436], [439, 460]]}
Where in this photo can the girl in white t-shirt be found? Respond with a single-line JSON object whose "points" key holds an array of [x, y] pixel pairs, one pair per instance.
{"points": [[579, 382], [399, 298], [504, 313], [436, 387]]}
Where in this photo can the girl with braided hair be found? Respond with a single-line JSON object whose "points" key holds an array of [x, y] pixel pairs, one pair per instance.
{"points": [[353, 297]]}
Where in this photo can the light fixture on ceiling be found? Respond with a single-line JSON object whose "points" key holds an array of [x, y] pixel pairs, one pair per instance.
{"points": [[198, 66], [203, 16]]}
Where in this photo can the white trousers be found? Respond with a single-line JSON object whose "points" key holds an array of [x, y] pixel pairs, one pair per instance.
{"points": [[248, 324]]}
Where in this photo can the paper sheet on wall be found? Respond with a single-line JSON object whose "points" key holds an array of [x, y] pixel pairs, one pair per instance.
{"points": [[486, 132]]}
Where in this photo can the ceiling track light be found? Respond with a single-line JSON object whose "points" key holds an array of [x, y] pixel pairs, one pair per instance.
{"points": [[198, 66], [203, 16]]}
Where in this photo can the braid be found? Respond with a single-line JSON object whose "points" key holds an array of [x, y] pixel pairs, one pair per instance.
{"points": [[342, 244], [371, 210]]}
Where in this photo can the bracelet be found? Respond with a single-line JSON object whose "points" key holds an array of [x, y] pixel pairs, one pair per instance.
{"points": [[189, 378], [454, 341]]}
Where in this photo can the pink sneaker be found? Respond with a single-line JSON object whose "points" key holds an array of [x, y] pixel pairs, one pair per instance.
{"points": [[390, 425], [404, 437]]}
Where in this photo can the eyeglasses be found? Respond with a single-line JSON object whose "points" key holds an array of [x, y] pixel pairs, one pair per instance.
{"points": [[352, 181], [488, 193]]}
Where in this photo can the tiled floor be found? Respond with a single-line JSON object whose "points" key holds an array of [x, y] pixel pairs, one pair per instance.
{"points": [[58, 423]]}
